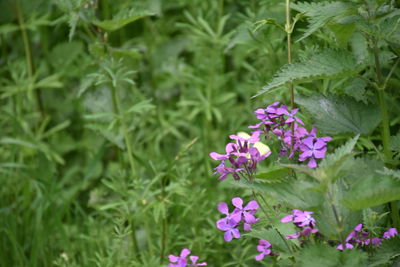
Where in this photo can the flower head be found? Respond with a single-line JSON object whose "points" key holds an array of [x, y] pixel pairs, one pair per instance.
{"points": [[181, 261], [391, 232], [264, 248]]}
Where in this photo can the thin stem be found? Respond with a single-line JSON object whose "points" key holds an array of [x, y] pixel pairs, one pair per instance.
{"points": [[28, 52], [385, 130], [337, 219], [117, 110], [288, 28]]}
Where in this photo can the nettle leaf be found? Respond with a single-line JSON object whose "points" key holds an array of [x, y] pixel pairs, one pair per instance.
{"points": [[395, 143], [357, 90], [123, 18], [332, 163], [334, 115], [326, 65], [342, 32], [372, 191], [322, 13], [275, 173], [295, 193], [389, 249], [323, 255], [389, 172]]}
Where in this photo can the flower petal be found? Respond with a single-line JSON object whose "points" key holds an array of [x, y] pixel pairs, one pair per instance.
{"points": [[223, 208], [237, 202], [185, 252], [252, 205]]}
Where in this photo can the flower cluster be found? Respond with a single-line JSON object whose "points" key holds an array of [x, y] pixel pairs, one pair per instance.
{"points": [[303, 220], [357, 236], [277, 119], [232, 221], [181, 261], [264, 247], [240, 156]]}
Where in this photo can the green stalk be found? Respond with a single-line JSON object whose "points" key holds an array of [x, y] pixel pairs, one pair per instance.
{"points": [[288, 29], [28, 52], [117, 110], [385, 129]]}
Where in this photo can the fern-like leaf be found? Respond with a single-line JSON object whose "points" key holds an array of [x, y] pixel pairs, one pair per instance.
{"points": [[326, 65]]}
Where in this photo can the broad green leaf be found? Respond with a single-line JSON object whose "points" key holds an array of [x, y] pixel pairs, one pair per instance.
{"points": [[372, 191], [333, 162], [323, 255], [334, 115], [323, 13], [326, 65], [385, 254], [123, 18], [342, 32], [274, 173]]}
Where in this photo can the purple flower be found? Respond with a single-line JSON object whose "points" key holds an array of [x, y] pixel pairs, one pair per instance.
{"points": [[312, 148], [301, 219], [246, 213], [359, 237], [179, 260], [224, 171], [291, 114], [391, 232], [194, 260], [263, 247], [230, 228]]}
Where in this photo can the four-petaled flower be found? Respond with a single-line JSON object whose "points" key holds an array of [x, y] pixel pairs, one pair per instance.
{"points": [[181, 261], [391, 232], [264, 248]]}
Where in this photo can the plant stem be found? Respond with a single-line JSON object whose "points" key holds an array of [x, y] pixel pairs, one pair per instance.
{"points": [[117, 110], [337, 219], [385, 129], [28, 53], [288, 28]]}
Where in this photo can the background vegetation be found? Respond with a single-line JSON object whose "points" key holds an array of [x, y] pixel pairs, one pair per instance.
{"points": [[109, 110]]}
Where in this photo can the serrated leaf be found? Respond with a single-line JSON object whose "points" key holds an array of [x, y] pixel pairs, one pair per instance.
{"points": [[342, 32], [372, 191], [334, 115], [275, 173], [389, 172], [123, 18], [357, 90], [389, 249], [295, 193], [323, 255], [326, 65], [333, 162], [322, 13]]}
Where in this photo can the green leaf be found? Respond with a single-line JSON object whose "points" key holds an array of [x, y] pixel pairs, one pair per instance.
{"points": [[334, 115], [389, 172], [326, 65], [395, 143], [342, 32], [274, 173], [322, 13], [123, 18], [357, 90], [372, 191], [332, 163], [323, 255], [389, 249], [295, 193]]}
